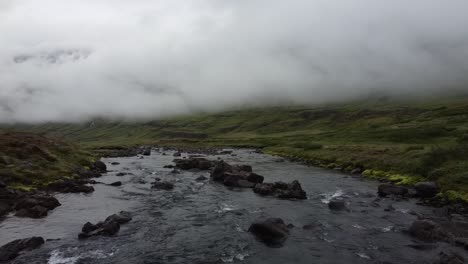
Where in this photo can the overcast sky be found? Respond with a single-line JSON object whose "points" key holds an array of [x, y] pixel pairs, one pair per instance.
{"points": [[71, 60]]}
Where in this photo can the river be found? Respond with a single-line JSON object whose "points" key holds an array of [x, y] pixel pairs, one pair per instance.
{"points": [[206, 222]]}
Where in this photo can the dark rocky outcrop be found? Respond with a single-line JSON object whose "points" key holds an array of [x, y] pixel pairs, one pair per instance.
{"points": [[35, 205], [273, 231], [162, 185], [337, 204], [108, 227], [426, 189], [13, 249], [235, 175], [386, 189], [281, 190]]}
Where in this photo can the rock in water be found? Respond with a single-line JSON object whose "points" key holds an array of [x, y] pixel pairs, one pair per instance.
{"points": [[117, 183], [281, 190], [273, 231], [162, 185], [426, 189], [107, 228], [390, 189], [428, 231], [14, 248], [337, 204], [449, 258]]}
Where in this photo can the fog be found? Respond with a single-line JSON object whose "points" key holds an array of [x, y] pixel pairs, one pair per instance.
{"points": [[145, 59]]}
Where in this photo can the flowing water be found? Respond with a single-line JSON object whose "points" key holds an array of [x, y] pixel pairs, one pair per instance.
{"points": [[205, 222]]}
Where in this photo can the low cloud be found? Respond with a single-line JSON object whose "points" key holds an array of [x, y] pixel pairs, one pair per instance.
{"points": [[79, 59]]}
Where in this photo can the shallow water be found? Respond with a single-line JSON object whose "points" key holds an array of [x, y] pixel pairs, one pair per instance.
{"points": [[205, 222]]}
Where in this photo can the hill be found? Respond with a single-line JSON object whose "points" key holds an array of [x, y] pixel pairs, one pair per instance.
{"points": [[401, 141]]}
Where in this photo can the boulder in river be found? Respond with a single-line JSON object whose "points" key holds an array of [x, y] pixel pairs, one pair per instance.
{"points": [[292, 190], [162, 185], [273, 231], [427, 230], [177, 154], [385, 189], [426, 189], [236, 175], [201, 178], [115, 163], [33, 212], [13, 249], [108, 227]]}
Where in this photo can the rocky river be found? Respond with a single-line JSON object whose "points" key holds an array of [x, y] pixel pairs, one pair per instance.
{"points": [[202, 221]]}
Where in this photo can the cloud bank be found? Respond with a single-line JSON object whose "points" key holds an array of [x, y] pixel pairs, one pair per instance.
{"points": [[79, 59]]}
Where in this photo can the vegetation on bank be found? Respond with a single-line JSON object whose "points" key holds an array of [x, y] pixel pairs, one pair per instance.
{"points": [[401, 141], [29, 161]]}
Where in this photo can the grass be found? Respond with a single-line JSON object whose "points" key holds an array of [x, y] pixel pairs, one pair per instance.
{"points": [[401, 141], [29, 161]]}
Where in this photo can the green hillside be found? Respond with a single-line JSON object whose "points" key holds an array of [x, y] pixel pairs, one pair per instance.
{"points": [[404, 141]]}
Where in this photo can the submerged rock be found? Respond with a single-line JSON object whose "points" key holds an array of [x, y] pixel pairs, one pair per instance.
{"points": [[273, 231], [115, 163], [337, 204], [162, 185], [13, 249], [117, 183], [390, 189]]}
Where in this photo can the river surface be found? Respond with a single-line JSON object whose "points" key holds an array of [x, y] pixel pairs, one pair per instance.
{"points": [[205, 222]]}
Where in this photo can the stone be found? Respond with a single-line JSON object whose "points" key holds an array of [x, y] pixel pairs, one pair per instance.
{"points": [[13, 249]]}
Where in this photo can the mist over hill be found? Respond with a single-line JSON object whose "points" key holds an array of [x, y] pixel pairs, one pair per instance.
{"points": [[76, 60]]}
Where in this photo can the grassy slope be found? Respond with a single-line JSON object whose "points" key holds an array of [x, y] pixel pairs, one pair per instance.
{"points": [[401, 141], [29, 160]]}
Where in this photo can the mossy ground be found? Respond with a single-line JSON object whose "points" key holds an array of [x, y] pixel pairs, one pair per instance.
{"points": [[402, 141], [28, 160]]}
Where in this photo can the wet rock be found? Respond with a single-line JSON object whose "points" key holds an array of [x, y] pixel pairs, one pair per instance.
{"points": [[101, 229], [201, 178], [86, 174], [231, 179], [356, 171], [426, 189], [177, 154], [390, 189], [449, 258], [99, 166], [120, 174], [175, 171], [13, 249], [33, 212], [108, 227], [169, 166], [255, 178], [337, 204], [245, 184], [117, 183], [69, 186], [225, 152], [273, 231], [115, 163], [389, 208], [194, 163], [162, 185], [34, 205], [427, 230], [423, 246], [146, 152], [281, 190], [122, 217]]}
